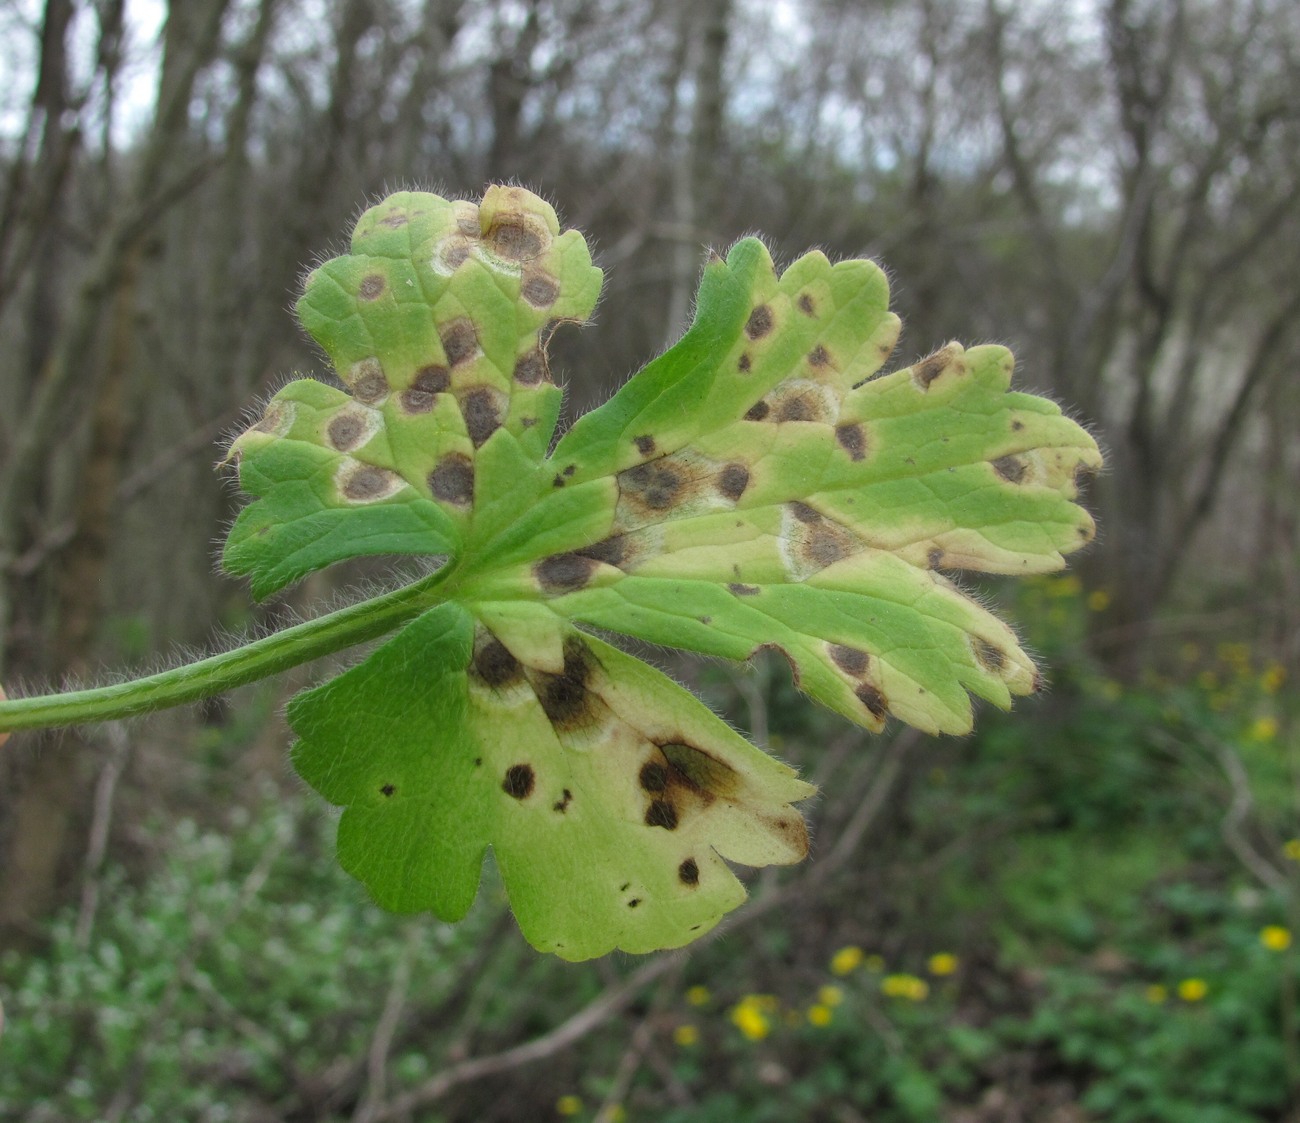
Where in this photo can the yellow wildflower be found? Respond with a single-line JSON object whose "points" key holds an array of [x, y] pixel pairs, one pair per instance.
{"points": [[1156, 994], [1272, 678], [748, 1017], [830, 996], [1263, 729], [568, 1105], [1067, 586], [820, 1015], [686, 1035], [846, 960], [944, 963], [698, 996], [1193, 990], [1292, 849], [1275, 937], [1098, 600], [905, 986]]}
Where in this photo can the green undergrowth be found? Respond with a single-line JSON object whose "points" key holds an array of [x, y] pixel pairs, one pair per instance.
{"points": [[1046, 915]]}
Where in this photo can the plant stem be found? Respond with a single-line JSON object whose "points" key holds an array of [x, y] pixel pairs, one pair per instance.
{"points": [[216, 674]]}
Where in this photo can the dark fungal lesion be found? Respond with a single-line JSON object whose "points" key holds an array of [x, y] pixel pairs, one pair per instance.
{"points": [[614, 550], [493, 664], [739, 589], [366, 483], [806, 304], [645, 444], [819, 357], [875, 702], [760, 322], [561, 805], [540, 289], [452, 480], [428, 383], [852, 438], [992, 658], [657, 485], [519, 781], [482, 414], [732, 481], [850, 660], [661, 813], [566, 698], [372, 287], [459, 340], [688, 873], [530, 369], [758, 411], [367, 381], [345, 431], [564, 573], [388, 790], [1010, 468], [928, 369]]}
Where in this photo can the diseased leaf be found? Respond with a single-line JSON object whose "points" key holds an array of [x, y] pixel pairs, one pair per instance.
{"points": [[761, 484], [609, 794]]}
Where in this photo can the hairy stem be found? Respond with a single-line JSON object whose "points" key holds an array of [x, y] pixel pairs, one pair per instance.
{"points": [[216, 674]]}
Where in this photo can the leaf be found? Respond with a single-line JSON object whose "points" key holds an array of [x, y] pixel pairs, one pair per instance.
{"points": [[761, 484], [609, 794], [435, 323]]}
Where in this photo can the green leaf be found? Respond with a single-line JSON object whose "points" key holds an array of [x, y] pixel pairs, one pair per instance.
{"points": [[610, 795], [436, 324], [761, 484]]}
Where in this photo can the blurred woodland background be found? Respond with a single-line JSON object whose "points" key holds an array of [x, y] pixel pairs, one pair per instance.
{"points": [[1082, 912]]}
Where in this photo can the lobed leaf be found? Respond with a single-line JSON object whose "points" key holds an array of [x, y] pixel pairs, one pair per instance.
{"points": [[761, 484]]}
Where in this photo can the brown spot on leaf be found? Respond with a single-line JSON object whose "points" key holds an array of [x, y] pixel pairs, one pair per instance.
{"points": [[513, 238], [688, 873], [1010, 468], [562, 805], [852, 439], [993, 659], [367, 482], [804, 513], [482, 419], [459, 340], [372, 287], [1083, 475], [661, 813], [634, 902], [759, 323], [493, 664], [530, 369], [732, 481], [850, 660], [656, 485], [519, 781], [455, 252], [806, 305], [540, 290], [1017, 424], [368, 383], [563, 573], [758, 412], [654, 776], [271, 419], [744, 363], [565, 697], [819, 357], [388, 790], [796, 408], [394, 221], [735, 588], [453, 480], [345, 431], [429, 381], [875, 702], [612, 550], [698, 771], [645, 444], [929, 368]]}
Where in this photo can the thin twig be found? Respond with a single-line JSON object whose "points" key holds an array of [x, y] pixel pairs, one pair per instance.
{"points": [[381, 1043], [101, 819]]}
